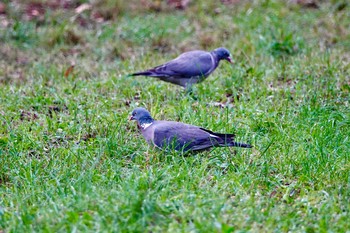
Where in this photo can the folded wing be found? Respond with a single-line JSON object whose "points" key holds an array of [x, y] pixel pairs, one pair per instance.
{"points": [[187, 65], [183, 137]]}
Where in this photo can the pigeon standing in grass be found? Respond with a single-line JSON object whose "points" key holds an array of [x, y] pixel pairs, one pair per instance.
{"points": [[179, 136], [188, 68]]}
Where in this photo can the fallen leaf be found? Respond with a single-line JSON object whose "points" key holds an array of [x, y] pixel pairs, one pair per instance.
{"points": [[273, 193], [82, 8], [98, 17], [35, 10], [69, 71], [178, 4], [2, 8], [4, 22]]}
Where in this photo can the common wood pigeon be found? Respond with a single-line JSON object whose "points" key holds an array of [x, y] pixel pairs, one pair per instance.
{"points": [[188, 68], [179, 136]]}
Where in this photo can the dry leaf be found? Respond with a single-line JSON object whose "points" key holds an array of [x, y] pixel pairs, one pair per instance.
{"points": [[178, 4], [82, 8], [2, 8], [69, 71]]}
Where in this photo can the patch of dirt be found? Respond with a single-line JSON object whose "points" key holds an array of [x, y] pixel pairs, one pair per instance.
{"points": [[56, 109], [127, 102], [28, 116], [88, 136], [34, 154], [137, 96], [306, 3]]}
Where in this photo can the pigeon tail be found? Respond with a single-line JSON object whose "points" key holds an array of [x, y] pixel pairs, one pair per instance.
{"points": [[227, 139], [146, 73], [239, 144], [143, 73]]}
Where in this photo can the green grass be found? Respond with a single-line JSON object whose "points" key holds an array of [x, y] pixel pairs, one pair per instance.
{"points": [[70, 160]]}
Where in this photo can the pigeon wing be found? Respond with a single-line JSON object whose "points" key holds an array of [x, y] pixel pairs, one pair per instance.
{"points": [[187, 65], [179, 136]]}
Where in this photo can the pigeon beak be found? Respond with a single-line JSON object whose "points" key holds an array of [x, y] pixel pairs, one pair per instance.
{"points": [[131, 118], [229, 59]]}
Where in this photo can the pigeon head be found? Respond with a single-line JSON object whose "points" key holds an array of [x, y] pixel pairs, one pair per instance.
{"points": [[223, 53], [142, 116]]}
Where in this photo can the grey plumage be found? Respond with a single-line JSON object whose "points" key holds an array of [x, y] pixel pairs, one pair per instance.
{"points": [[188, 68], [179, 136]]}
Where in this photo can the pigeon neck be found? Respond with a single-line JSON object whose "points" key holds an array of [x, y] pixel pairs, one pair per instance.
{"points": [[145, 122], [216, 58]]}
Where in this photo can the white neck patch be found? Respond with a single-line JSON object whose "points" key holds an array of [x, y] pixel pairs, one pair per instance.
{"points": [[146, 125]]}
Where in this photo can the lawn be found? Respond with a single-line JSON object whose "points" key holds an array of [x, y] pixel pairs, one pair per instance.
{"points": [[70, 161]]}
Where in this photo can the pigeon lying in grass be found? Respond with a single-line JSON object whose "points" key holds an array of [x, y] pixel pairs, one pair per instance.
{"points": [[179, 136], [188, 68]]}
